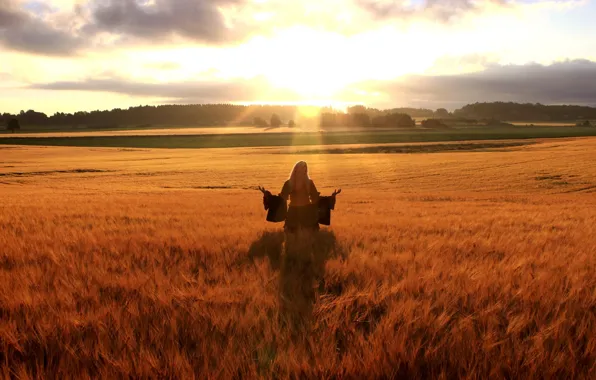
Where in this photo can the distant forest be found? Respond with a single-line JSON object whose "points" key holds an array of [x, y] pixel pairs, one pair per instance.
{"points": [[270, 115]]}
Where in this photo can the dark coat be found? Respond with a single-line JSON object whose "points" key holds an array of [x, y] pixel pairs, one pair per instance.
{"points": [[277, 208], [326, 204]]}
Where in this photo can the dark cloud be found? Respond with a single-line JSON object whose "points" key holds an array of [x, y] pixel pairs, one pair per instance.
{"points": [[199, 20], [199, 91], [569, 82], [9, 15], [437, 10], [203, 20], [127, 20], [22, 31]]}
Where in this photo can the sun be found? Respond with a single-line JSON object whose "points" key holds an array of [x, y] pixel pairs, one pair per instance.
{"points": [[307, 63], [309, 79], [322, 65]]}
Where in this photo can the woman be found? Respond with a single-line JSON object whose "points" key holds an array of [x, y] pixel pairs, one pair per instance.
{"points": [[303, 196]]}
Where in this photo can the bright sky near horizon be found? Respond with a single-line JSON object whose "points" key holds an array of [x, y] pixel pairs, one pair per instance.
{"points": [[71, 55]]}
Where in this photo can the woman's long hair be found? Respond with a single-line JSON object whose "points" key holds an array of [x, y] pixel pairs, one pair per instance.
{"points": [[299, 179]]}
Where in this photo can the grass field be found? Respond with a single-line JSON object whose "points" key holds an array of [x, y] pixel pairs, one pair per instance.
{"points": [[152, 130], [234, 140], [545, 123], [115, 129], [479, 263], [148, 131]]}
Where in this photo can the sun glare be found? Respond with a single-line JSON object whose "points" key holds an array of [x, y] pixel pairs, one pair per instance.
{"points": [[307, 82], [317, 66], [299, 64], [308, 67], [309, 63]]}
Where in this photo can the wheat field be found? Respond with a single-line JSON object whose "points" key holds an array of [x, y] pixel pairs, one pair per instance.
{"points": [[159, 263]]}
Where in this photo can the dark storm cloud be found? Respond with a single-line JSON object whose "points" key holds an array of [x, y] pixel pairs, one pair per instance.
{"points": [[199, 20], [569, 82], [21, 31]]}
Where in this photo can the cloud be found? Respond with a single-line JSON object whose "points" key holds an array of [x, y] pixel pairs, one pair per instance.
{"points": [[448, 11], [568, 82], [24, 31], [240, 90], [38, 28], [221, 22], [457, 64], [197, 20], [63, 27], [215, 22], [35, 27], [436, 10]]}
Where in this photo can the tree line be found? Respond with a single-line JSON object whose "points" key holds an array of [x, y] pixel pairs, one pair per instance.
{"points": [[199, 115], [526, 112], [277, 115], [219, 114], [360, 116]]}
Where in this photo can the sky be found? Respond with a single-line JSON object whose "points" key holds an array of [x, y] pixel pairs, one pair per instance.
{"points": [[83, 55]]}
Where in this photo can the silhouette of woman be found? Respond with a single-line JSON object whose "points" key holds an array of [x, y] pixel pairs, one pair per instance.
{"points": [[302, 193]]}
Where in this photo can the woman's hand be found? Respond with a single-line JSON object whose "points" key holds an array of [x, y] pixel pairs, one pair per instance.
{"points": [[266, 197], [262, 190]]}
